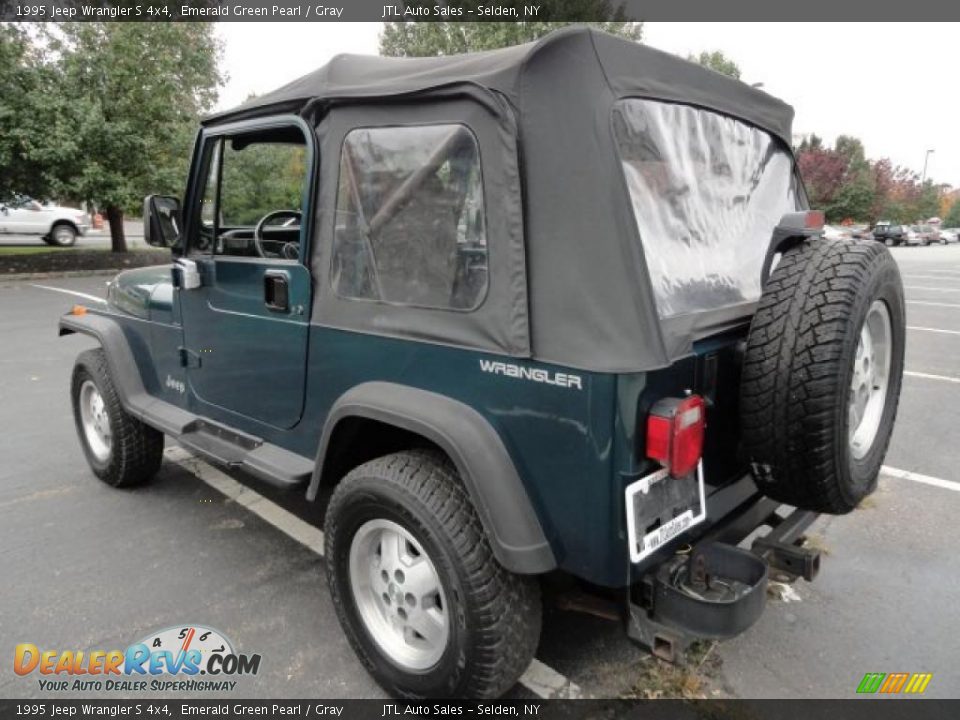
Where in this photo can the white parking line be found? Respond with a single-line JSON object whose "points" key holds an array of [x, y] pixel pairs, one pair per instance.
{"points": [[301, 531], [931, 277], [917, 477], [924, 302], [541, 679], [94, 298], [928, 376], [935, 271], [548, 683], [930, 289], [933, 330]]}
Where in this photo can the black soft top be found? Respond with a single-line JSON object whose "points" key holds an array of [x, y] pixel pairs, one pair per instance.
{"points": [[574, 288], [630, 68]]}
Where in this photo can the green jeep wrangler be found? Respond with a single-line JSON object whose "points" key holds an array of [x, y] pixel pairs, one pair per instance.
{"points": [[559, 308]]}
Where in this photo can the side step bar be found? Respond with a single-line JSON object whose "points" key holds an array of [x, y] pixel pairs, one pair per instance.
{"points": [[226, 446]]}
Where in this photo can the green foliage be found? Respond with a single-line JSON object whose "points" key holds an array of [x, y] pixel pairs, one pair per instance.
{"points": [[418, 39], [928, 202], [846, 185], [952, 219], [259, 179], [716, 60], [134, 93], [103, 112], [855, 196], [25, 87]]}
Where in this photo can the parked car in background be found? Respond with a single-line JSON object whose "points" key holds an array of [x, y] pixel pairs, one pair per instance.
{"points": [[56, 225], [895, 235], [927, 234], [949, 235], [860, 232], [832, 232]]}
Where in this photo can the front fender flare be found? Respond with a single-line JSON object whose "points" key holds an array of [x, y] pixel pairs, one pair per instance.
{"points": [[125, 373], [123, 367], [508, 517]]}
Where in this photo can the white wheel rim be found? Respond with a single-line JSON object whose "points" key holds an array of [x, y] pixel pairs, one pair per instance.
{"points": [[399, 595], [871, 377], [95, 421], [62, 235]]}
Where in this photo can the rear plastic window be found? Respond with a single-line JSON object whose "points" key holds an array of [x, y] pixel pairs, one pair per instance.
{"points": [[707, 191]]}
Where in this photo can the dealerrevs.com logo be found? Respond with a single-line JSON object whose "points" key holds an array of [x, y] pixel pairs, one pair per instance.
{"points": [[177, 659]]}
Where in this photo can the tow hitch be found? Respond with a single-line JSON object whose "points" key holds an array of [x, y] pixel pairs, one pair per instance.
{"points": [[782, 550], [718, 590]]}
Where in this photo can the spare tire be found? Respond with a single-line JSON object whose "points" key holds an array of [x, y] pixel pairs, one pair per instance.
{"points": [[822, 373]]}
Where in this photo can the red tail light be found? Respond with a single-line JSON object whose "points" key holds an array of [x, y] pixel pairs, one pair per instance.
{"points": [[675, 434]]}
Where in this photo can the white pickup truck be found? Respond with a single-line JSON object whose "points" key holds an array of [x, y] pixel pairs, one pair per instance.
{"points": [[56, 225]]}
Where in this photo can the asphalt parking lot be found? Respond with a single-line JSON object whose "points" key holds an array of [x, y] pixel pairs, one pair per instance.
{"points": [[84, 566]]}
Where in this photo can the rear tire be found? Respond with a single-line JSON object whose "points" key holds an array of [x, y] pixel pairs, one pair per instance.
{"points": [[120, 449], [813, 426], [62, 235], [486, 620]]}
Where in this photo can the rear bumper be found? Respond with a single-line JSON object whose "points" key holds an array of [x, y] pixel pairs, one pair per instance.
{"points": [[717, 589]]}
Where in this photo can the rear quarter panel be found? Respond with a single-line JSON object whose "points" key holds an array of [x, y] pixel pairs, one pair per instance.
{"points": [[560, 438]]}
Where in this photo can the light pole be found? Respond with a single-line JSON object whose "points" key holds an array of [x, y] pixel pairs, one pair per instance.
{"points": [[923, 178]]}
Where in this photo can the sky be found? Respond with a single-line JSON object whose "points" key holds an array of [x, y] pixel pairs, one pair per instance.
{"points": [[841, 78]]}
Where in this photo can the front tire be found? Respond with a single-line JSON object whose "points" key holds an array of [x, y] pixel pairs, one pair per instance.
{"points": [[416, 586], [120, 449]]}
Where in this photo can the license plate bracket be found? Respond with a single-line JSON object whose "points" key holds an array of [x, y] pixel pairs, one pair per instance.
{"points": [[661, 508]]}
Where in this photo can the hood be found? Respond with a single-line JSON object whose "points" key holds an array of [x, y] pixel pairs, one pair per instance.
{"points": [[142, 292]]}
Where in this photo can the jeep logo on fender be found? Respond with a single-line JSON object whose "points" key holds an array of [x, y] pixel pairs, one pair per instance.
{"points": [[536, 374], [177, 385]]}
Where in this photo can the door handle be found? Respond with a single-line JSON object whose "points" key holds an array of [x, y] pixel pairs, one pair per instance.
{"points": [[276, 290]]}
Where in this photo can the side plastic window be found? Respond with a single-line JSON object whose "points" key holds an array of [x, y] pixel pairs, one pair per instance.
{"points": [[410, 218]]}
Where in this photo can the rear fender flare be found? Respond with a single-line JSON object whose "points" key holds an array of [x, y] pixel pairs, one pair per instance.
{"points": [[477, 451]]}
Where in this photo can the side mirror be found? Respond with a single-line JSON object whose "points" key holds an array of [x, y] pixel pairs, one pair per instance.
{"points": [[161, 221]]}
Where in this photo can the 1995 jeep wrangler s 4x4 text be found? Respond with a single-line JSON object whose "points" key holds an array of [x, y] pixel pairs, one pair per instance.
{"points": [[557, 308]]}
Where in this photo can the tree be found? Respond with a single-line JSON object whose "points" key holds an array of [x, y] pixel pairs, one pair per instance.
{"points": [[823, 172], [418, 39], [839, 180], [129, 97], [952, 218], [716, 60], [928, 201], [25, 83]]}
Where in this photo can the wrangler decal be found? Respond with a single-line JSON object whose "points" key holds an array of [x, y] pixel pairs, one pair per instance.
{"points": [[539, 375]]}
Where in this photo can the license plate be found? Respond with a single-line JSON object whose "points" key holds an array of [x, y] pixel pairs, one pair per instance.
{"points": [[688, 512]]}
